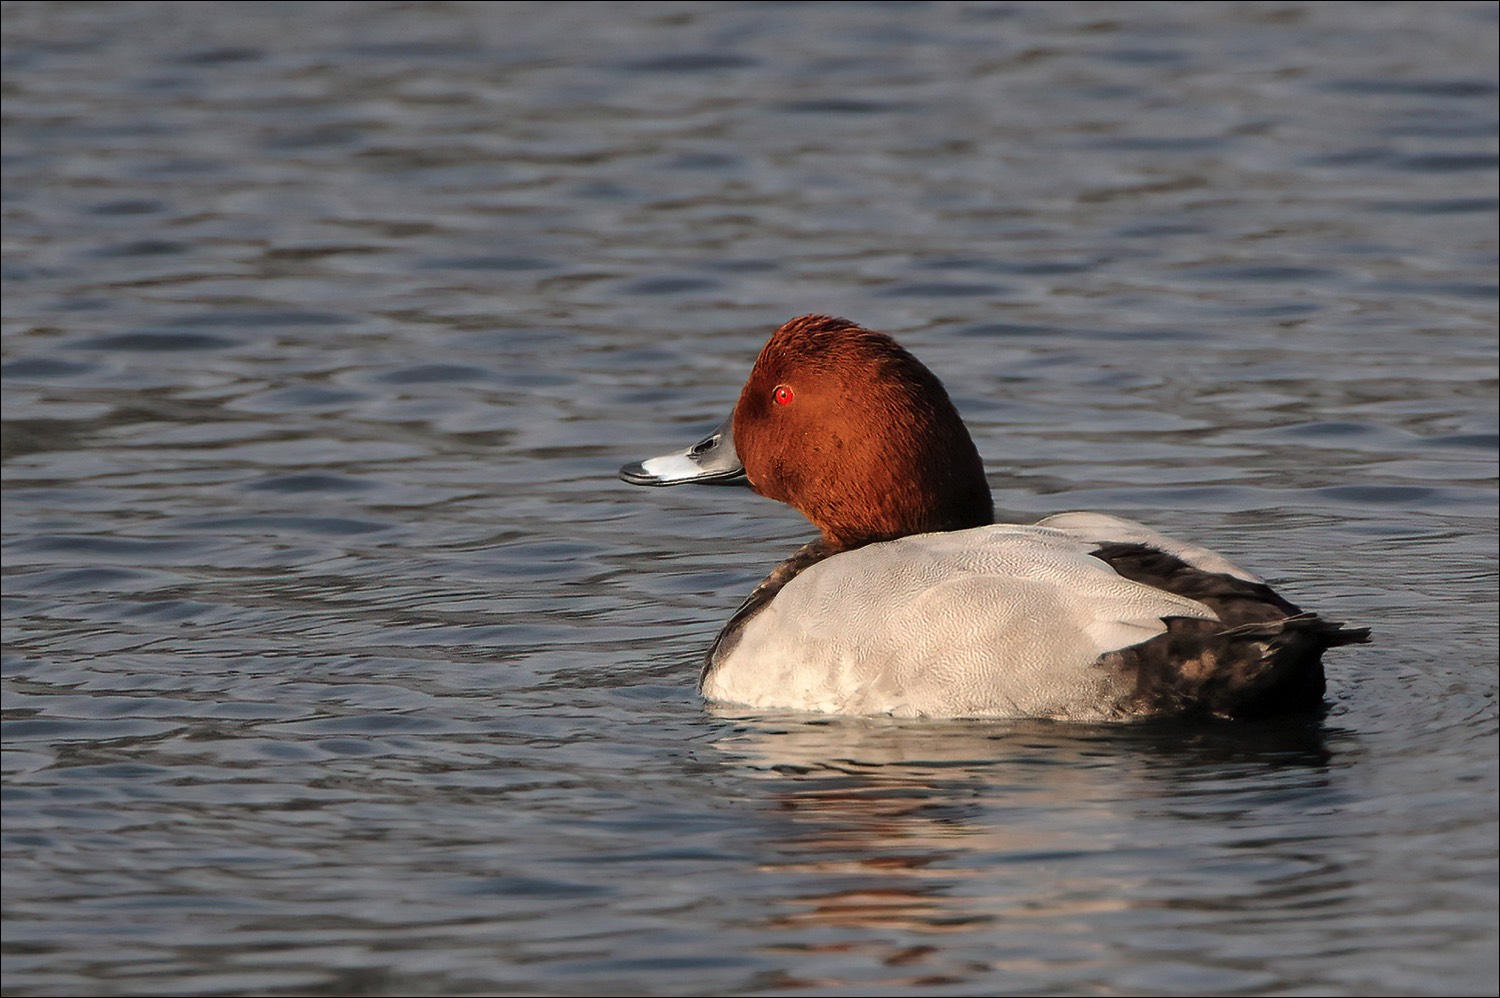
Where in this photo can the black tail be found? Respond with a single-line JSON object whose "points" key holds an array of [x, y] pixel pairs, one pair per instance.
{"points": [[1258, 669], [1263, 657]]}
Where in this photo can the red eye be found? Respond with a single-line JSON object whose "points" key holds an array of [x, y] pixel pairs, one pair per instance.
{"points": [[783, 395]]}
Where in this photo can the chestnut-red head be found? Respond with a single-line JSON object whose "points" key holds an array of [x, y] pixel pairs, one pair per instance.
{"points": [[846, 426]]}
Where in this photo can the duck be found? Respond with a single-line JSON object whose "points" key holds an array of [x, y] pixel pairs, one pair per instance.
{"points": [[914, 602]]}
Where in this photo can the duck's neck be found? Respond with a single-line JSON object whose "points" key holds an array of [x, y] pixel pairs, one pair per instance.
{"points": [[932, 493]]}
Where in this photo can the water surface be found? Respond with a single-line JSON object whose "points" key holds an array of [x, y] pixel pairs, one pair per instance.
{"points": [[337, 661]]}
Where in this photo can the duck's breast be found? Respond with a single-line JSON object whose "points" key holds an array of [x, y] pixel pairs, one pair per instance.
{"points": [[997, 621]]}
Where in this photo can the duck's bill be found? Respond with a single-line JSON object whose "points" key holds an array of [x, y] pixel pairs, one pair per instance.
{"points": [[710, 461]]}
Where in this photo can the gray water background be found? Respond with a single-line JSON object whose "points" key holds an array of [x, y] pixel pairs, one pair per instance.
{"points": [[336, 660]]}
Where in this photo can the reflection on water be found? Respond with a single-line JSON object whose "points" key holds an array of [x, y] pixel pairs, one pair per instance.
{"points": [[1014, 829], [336, 661]]}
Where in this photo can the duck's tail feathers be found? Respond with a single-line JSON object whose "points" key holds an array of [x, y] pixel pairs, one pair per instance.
{"points": [[1254, 669]]}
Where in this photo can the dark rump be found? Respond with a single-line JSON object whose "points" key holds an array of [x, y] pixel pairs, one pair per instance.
{"points": [[1263, 657]]}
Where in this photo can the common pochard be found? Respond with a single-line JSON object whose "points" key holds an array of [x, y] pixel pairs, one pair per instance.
{"points": [[914, 602]]}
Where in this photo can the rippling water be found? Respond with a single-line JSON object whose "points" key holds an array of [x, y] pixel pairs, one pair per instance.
{"points": [[337, 661]]}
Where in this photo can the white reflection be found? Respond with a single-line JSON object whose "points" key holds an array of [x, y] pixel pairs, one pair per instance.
{"points": [[965, 832]]}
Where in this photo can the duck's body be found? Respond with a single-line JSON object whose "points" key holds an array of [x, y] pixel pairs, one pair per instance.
{"points": [[913, 603]]}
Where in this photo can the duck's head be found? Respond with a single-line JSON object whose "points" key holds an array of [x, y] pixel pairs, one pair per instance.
{"points": [[846, 426]]}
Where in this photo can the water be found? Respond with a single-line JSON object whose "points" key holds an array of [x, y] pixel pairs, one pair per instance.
{"points": [[337, 661]]}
